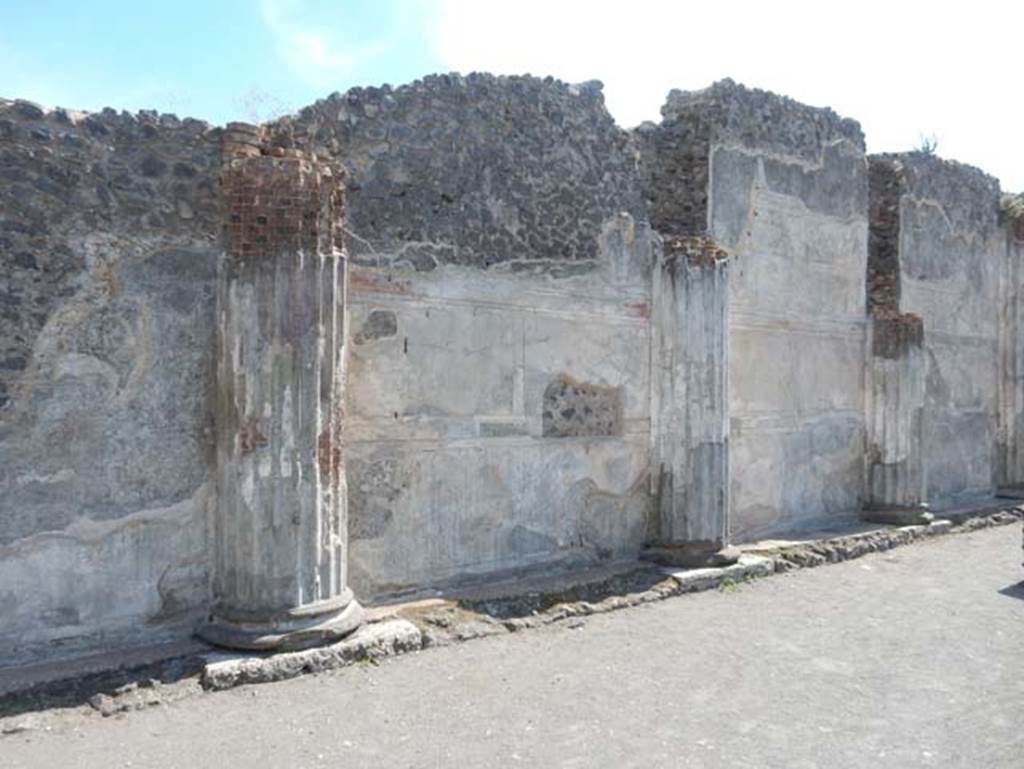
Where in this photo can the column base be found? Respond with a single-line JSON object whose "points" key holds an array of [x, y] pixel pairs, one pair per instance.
{"points": [[291, 632], [897, 516], [692, 555]]}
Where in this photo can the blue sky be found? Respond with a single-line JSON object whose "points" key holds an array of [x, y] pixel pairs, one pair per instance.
{"points": [[217, 60], [905, 70]]}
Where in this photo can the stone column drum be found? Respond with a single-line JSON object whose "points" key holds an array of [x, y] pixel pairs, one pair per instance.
{"points": [[280, 532], [691, 291]]}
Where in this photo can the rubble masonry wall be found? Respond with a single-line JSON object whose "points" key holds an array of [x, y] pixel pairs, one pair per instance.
{"points": [[109, 228], [507, 247]]}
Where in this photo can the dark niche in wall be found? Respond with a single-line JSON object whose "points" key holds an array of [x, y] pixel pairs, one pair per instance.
{"points": [[578, 409]]}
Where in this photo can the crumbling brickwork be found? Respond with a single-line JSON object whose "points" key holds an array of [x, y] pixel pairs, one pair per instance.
{"points": [[885, 179], [674, 160], [279, 198], [676, 154], [695, 249], [1012, 214], [893, 331]]}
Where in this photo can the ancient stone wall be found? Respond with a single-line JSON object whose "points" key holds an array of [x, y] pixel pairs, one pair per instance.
{"points": [[561, 343], [952, 257], [108, 236], [499, 292], [786, 196], [478, 171]]}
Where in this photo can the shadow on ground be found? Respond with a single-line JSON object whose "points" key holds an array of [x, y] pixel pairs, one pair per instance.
{"points": [[130, 688], [1014, 591], [527, 604]]}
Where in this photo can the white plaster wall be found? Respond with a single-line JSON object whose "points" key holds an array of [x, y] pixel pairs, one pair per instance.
{"points": [[951, 278], [102, 584], [450, 477], [106, 461], [797, 336]]}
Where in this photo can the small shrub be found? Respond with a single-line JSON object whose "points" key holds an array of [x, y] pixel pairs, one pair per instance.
{"points": [[927, 144]]}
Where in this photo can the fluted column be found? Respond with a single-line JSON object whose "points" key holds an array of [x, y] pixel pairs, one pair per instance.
{"points": [[280, 531], [896, 479], [691, 404]]}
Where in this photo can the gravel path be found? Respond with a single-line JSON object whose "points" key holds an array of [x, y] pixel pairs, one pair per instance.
{"points": [[908, 658]]}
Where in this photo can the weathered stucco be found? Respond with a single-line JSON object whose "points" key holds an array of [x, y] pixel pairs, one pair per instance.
{"points": [[562, 343], [895, 466], [498, 385], [952, 256], [108, 229], [787, 199], [454, 468], [690, 400]]}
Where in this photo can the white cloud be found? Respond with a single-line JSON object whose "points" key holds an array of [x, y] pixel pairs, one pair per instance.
{"points": [[308, 50], [902, 69]]}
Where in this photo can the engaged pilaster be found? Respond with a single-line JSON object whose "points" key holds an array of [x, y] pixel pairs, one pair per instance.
{"points": [[895, 407], [895, 476], [280, 532], [691, 408], [1010, 481]]}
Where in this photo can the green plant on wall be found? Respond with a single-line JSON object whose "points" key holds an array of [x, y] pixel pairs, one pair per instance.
{"points": [[927, 145]]}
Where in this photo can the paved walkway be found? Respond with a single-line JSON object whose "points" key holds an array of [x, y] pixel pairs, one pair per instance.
{"points": [[910, 658]]}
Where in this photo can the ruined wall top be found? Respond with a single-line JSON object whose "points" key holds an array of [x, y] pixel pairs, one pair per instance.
{"points": [[811, 153], [735, 114], [477, 170], [969, 197], [76, 185], [138, 170]]}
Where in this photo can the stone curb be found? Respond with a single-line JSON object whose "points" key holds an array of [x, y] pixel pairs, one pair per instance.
{"points": [[677, 582], [369, 643], [752, 565], [845, 548], [447, 622], [453, 623]]}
